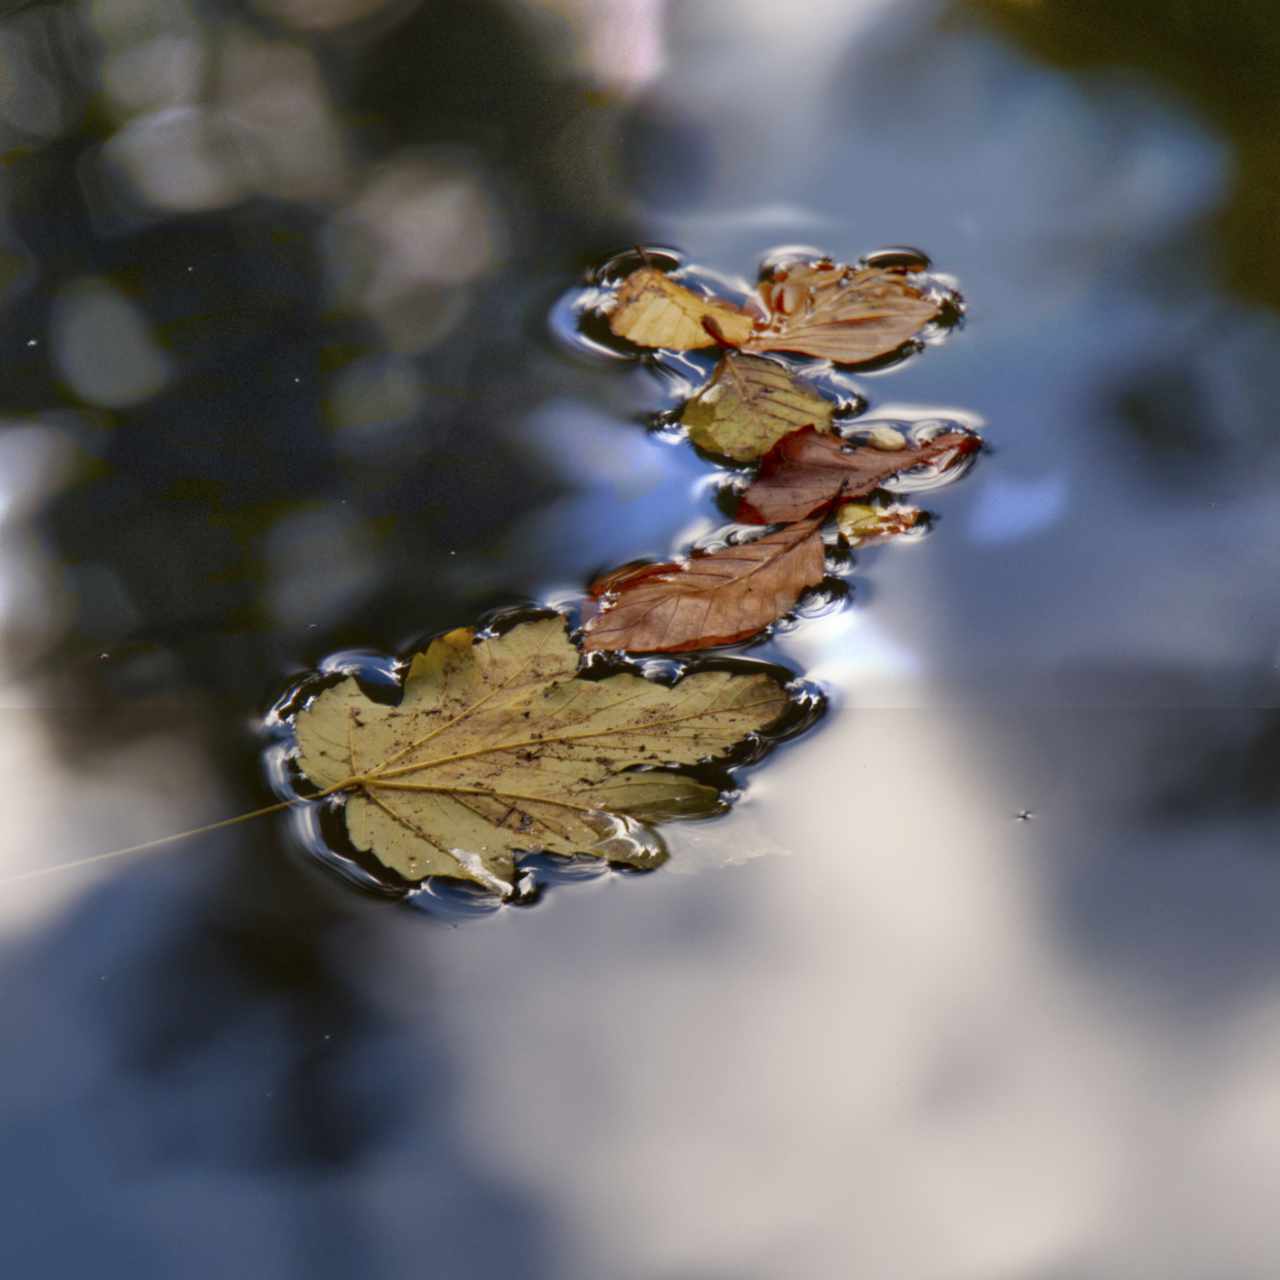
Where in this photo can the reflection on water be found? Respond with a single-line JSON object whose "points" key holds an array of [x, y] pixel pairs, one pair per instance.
{"points": [[273, 279]]}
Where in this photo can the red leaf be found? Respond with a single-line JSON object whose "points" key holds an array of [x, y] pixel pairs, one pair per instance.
{"points": [[805, 472], [716, 597]]}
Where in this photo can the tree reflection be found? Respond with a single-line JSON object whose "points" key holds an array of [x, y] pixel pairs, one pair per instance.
{"points": [[255, 293]]}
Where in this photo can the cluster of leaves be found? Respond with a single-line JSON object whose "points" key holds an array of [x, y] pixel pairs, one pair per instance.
{"points": [[756, 409], [518, 740], [509, 743]]}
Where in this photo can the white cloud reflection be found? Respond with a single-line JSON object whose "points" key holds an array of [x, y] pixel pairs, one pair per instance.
{"points": [[876, 1057]]}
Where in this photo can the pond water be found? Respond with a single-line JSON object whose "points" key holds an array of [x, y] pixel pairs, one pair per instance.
{"points": [[979, 978]]}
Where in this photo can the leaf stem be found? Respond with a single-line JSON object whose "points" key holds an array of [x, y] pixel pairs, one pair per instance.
{"points": [[148, 845]]}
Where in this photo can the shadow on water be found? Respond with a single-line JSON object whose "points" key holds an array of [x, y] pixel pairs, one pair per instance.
{"points": [[210, 1080]]}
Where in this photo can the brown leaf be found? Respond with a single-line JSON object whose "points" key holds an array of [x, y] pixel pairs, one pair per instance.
{"points": [[805, 472], [652, 310], [840, 313], [750, 403], [716, 597]]}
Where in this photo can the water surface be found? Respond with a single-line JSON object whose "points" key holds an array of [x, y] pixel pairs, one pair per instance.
{"points": [[979, 978]]}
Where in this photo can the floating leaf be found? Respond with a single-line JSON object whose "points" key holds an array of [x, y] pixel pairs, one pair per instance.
{"points": [[715, 597], [860, 523], [498, 746], [805, 472], [652, 310], [749, 405], [845, 314]]}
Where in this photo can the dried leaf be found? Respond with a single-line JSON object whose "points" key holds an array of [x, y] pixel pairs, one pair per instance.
{"points": [[805, 472], [653, 310], [860, 523], [749, 405], [716, 597], [845, 314], [499, 747]]}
